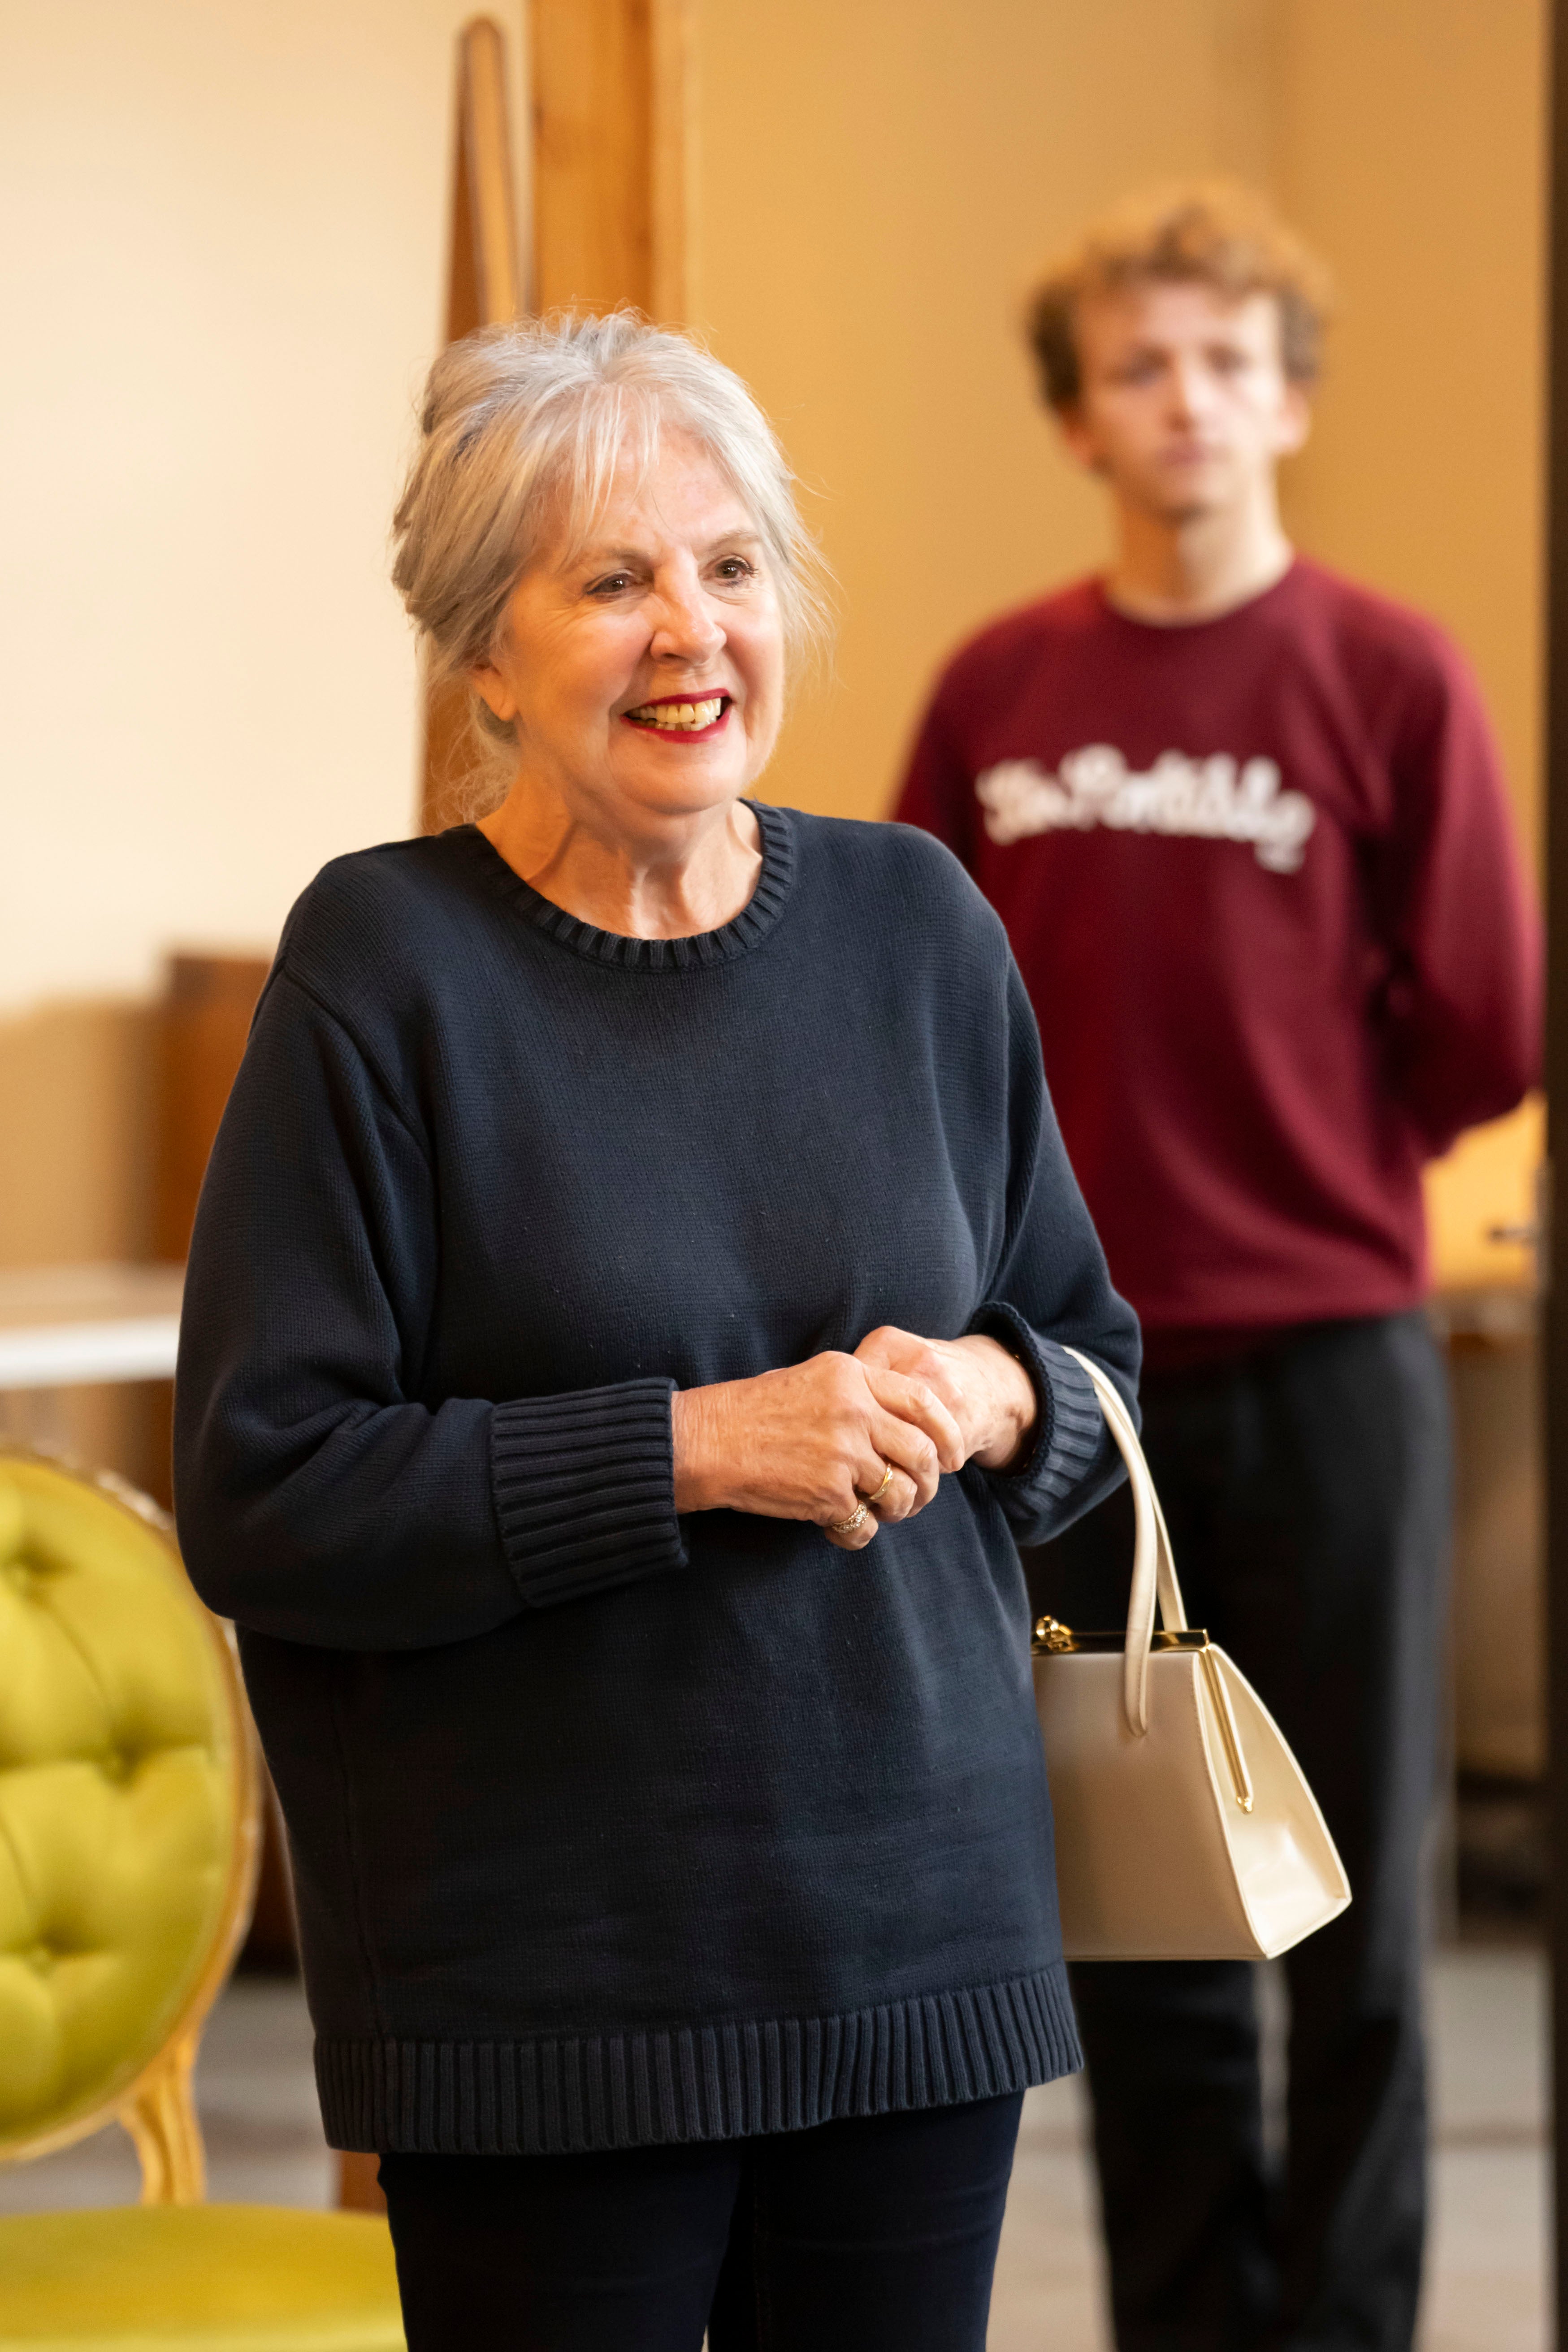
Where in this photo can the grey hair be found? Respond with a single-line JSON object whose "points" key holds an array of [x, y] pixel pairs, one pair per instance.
{"points": [[524, 428]]}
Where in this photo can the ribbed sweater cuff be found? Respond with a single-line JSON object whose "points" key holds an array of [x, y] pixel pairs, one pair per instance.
{"points": [[1071, 1436], [585, 1489]]}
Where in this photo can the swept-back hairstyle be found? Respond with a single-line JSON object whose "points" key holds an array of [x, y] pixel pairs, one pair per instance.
{"points": [[1214, 233], [523, 431]]}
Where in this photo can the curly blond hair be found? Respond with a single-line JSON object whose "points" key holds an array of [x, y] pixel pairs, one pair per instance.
{"points": [[1214, 233]]}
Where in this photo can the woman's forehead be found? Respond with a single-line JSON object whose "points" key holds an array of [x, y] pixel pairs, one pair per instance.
{"points": [[678, 496]]}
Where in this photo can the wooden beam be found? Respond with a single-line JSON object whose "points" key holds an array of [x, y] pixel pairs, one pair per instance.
{"points": [[207, 1006], [484, 288], [486, 189], [612, 90]]}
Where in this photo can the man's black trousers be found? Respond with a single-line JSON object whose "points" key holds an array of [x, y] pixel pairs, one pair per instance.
{"points": [[1307, 1488]]}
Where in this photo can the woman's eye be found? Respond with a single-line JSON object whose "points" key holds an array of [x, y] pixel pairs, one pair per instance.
{"points": [[734, 567], [612, 586]]}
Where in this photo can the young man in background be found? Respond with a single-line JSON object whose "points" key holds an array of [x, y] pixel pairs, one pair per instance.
{"points": [[1245, 824]]}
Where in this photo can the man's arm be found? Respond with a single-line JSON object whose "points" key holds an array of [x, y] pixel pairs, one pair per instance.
{"points": [[1461, 1008], [938, 790]]}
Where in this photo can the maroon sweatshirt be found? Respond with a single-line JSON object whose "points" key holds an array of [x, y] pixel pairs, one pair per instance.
{"points": [[1260, 879]]}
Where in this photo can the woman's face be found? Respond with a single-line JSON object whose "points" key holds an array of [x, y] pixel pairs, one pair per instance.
{"points": [[645, 671]]}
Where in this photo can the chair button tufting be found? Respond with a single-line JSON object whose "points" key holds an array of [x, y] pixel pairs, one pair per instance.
{"points": [[124, 1792]]}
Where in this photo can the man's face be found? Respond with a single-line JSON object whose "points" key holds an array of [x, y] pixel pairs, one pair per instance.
{"points": [[1185, 407]]}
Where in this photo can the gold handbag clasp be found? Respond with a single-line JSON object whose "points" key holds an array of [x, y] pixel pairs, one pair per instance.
{"points": [[1052, 1639]]}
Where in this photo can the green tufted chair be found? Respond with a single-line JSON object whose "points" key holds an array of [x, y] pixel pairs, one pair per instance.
{"points": [[129, 1827]]}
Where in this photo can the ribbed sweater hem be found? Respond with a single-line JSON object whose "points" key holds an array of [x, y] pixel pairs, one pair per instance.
{"points": [[570, 2095]]}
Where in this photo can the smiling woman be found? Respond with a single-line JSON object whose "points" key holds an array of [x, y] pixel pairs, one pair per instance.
{"points": [[634, 662], [631, 1204], [642, 676], [528, 436]]}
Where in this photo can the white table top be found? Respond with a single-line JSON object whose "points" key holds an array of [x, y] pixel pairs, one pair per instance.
{"points": [[65, 1326]]}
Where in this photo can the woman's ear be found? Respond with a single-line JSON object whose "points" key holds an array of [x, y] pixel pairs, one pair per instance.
{"points": [[493, 689]]}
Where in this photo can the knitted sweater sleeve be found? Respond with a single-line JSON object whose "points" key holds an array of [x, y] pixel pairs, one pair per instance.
{"points": [[1460, 1007], [1051, 1290], [319, 1499]]}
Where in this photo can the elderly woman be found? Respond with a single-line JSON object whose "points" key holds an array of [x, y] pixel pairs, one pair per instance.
{"points": [[622, 1344]]}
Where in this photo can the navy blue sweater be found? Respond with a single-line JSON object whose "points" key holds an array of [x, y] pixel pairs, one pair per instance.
{"points": [[612, 1827]]}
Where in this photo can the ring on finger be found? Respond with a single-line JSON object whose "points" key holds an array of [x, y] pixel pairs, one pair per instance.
{"points": [[853, 1524], [886, 1482]]}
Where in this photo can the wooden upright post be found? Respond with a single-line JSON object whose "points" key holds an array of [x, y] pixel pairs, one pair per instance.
{"points": [[207, 1006], [484, 288], [613, 155]]}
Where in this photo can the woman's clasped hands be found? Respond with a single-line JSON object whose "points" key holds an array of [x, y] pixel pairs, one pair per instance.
{"points": [[852, 1443]]}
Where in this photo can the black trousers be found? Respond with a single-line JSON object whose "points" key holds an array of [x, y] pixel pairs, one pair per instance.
{"points": [[863, 2236], [1306, 1488]]}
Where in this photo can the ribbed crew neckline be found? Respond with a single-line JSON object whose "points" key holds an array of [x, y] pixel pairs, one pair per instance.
{"points": [[696, 953]]}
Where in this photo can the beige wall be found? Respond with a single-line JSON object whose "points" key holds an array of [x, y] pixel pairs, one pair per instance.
{"points": [[1411, 146], [224, 239], [230, 279], [221, 279], [879, 181]]}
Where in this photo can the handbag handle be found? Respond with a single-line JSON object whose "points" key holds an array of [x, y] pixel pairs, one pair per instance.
{"points": [[1154, 1565]]}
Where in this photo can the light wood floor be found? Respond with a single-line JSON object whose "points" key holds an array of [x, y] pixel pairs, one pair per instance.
{"points": [[1487, 2267], [1488, 2271]]}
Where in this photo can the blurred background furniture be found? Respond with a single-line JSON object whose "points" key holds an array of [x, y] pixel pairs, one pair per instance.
{"points": [[484, 288], [1482, 1204], [62, 1326], [208, 1003], [129, 1819], [97, 1326]]}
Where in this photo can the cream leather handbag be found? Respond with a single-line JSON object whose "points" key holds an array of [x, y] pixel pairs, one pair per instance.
{"points": [[1185, 1828]]}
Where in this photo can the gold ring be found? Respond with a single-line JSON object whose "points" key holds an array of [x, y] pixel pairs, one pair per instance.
{"points": [[847, 1526], [886, 1482]]}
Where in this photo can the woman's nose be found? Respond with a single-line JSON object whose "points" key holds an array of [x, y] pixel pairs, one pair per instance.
{"points": [[687, 629]]}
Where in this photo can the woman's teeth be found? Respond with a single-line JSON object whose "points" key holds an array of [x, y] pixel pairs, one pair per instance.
{"points": [[674, 715]]}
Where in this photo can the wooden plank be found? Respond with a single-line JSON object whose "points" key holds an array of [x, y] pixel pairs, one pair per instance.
{"points": [[206, 1018], [358, 2191], [673, 160], [207, 1008], [612, 90], [485, 146], [484, 288], [592, 81]]}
